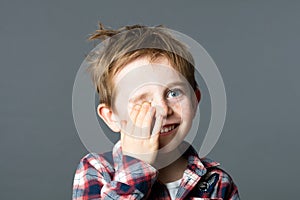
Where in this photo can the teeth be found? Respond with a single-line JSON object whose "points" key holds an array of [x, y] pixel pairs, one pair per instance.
{"points": [[167, 129]]}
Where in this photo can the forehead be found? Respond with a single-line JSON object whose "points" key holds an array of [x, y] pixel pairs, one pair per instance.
{"points": [[141, 72], [141, 66]]}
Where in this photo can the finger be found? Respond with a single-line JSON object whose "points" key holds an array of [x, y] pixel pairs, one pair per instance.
{"points": [[143, 111], [134, 112], [133, 115], [123, 130], [146, 130], [157, 127]]}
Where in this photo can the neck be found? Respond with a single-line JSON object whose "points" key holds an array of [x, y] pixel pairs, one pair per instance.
{"points": [[173, 171]]}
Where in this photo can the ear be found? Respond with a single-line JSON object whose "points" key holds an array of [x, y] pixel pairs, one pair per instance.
{"points": [[108, 117], [198, 94], [196, 101]]}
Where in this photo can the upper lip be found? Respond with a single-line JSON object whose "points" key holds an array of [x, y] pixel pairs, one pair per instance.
{"points": [[169, 124]]}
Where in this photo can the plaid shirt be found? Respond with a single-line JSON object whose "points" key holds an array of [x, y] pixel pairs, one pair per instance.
{"points": [[115, 176]]}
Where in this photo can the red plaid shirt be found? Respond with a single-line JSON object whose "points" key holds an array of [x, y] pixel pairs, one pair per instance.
{"points": [[116, 176]]}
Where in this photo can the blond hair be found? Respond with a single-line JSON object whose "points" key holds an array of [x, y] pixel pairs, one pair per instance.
{"points": [[129, 43]]}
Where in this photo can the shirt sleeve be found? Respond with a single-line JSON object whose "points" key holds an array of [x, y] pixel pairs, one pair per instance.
{"points": [[96, 178]]}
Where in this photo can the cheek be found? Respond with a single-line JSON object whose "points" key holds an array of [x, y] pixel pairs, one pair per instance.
{"points": [[184, 109], [120, 111], [122, 106], [188, 111], [176, 107]]}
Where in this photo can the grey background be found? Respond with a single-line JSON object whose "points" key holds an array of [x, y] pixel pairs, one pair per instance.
{"points": [[255, 44]]}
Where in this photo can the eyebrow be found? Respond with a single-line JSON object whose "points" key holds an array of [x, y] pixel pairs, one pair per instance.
{"points": [[177, 83], [145, 94], [138, 97]]}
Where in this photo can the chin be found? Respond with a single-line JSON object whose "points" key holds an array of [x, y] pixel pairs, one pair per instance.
{"points": [[169, 145]]}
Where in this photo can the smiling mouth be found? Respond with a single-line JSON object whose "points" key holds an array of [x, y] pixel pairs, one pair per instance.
{"points": [[168, 129]]}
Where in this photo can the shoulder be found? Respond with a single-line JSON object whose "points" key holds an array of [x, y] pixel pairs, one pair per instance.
{"points": [[93, 171], [219, 180], [215, 167], [92, 164]]}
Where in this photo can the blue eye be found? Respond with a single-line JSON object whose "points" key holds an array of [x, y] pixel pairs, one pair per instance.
{"points": [[173, 93]]}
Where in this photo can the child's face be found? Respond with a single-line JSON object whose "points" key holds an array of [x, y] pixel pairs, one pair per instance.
{"points": [[164, 88]]}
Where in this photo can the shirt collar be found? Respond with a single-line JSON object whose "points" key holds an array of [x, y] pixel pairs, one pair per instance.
{"points": [[195, 163], [117, 155]]}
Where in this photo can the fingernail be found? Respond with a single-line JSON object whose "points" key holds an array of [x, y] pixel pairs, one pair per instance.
{"points": [[152, 109], [146, 104], [137, 106]]}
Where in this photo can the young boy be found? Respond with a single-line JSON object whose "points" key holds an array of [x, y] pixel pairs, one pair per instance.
{"points": [[148, 93]]}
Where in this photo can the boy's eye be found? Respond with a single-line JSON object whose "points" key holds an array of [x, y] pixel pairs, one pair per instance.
{"points": [[173, 93]]}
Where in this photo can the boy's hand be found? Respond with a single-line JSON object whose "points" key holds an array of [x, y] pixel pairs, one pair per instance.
{"points": [[137, 138]]}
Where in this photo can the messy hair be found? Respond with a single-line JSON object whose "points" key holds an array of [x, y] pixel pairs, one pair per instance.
{"points": [[129, 43]]}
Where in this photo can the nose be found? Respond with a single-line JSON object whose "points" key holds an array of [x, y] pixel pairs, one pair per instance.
{"points": [[162, 107]]}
